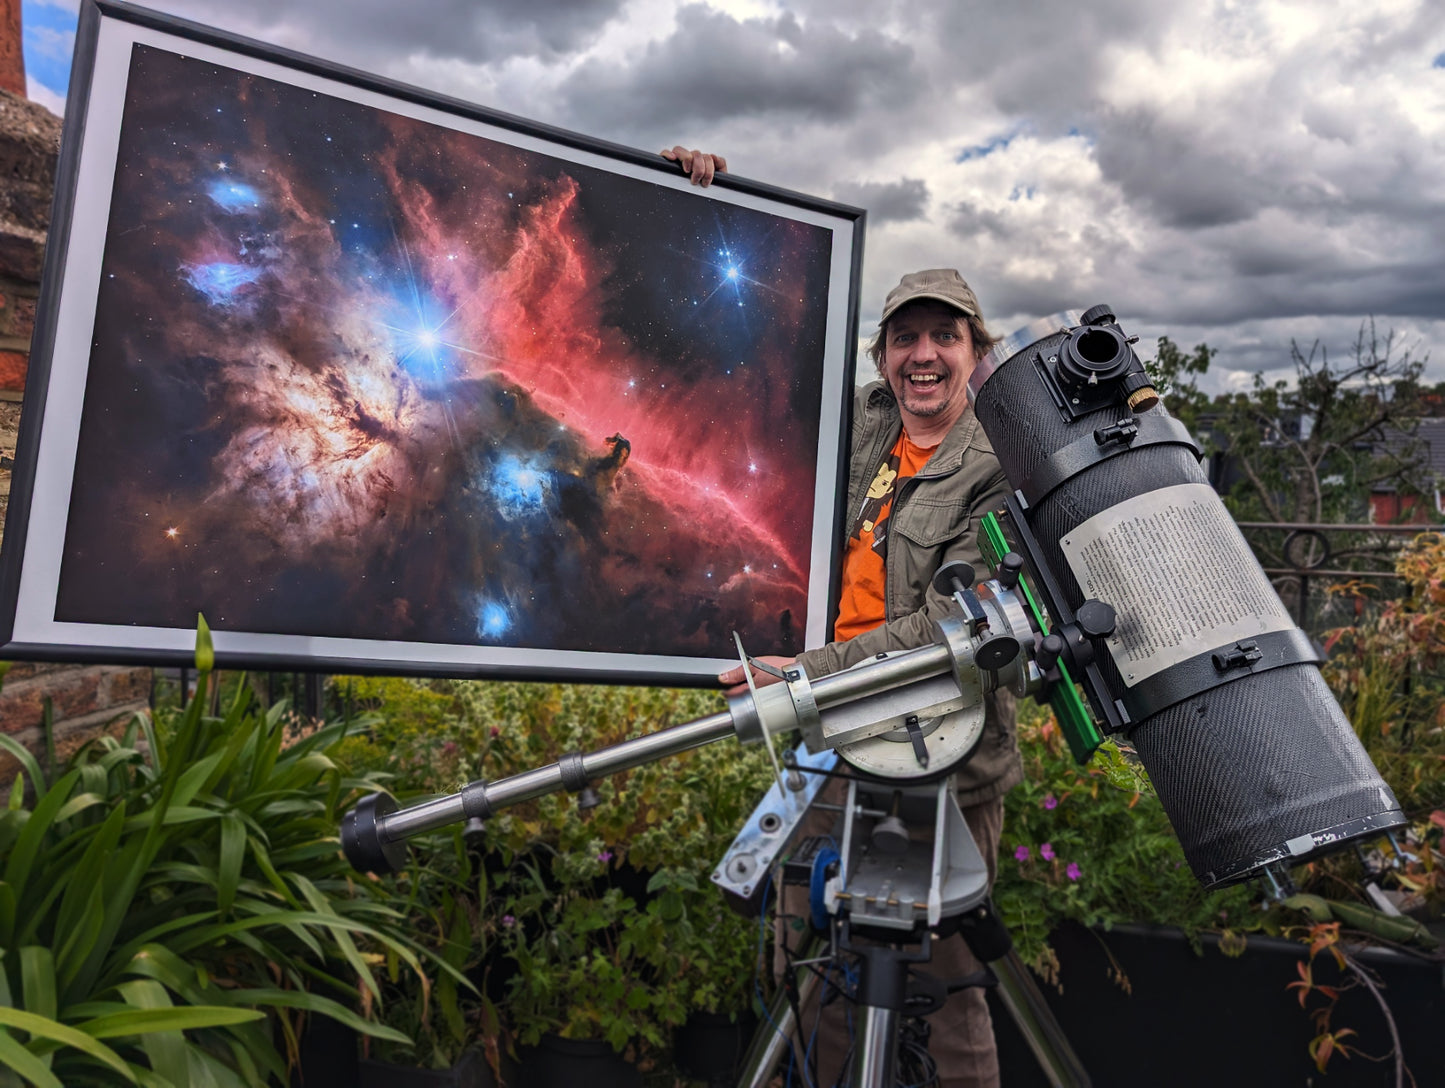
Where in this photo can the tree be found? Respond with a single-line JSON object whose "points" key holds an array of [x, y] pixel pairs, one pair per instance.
{"points": [[1313, 448], [1176, 377]]}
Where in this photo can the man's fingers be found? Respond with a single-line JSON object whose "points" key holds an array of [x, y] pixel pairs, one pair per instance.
{"points": [[699, 166], [680, 155]]}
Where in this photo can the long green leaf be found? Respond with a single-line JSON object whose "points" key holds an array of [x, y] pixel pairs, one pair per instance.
{"points": [[118, 900], [267, 752], [226, 758], [7, 911], [193, 779], [148, 1078], [87, 881], [248, 1042], [160, 963], [322, 904], [202, 935], [78, 804], [165, 1049], [262, 857], [324, 1006], [37, 978], [228, 866], [28, 843], [31, 765], [46, 1028], [80, 942], [179, 1018], [33, 1069]]}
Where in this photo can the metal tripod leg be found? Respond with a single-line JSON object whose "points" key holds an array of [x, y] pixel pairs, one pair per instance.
{"points": [[875, 1054], [1035, 1020], [774, 1035]]}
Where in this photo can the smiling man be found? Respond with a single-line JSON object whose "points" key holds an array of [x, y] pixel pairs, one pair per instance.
{"points": [[921, 476]]}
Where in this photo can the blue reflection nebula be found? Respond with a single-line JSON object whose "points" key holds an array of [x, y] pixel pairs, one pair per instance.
{"points": [[520, 487], [220, 280], [493, 620], [234, 196]]}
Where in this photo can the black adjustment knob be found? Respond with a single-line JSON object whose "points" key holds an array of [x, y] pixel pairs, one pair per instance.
{"points": [[361, 837], [1103, 314], [1095, 619], [953, 577], [996, 652], [1010, 569], [1049, 650]]}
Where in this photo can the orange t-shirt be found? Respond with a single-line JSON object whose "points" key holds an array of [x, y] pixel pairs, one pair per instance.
{"points": [[861, 605]]}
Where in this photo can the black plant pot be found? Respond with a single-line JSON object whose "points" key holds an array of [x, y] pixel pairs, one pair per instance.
{"points": [[1199, 1021], [328, 1055], [589, 1063], [470, 1071], [711, 1047]]}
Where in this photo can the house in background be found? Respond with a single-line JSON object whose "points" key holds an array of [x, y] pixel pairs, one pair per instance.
{"points": [[1425, 507]]}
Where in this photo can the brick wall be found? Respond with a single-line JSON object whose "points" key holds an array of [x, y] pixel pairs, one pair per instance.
{"points": [[85, 698]]}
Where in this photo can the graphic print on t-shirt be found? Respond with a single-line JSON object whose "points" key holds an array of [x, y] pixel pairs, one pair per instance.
{"points": [[873, 517]]}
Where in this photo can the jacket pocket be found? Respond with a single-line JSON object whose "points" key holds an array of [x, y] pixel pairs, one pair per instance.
{"points": [[929, 523]]}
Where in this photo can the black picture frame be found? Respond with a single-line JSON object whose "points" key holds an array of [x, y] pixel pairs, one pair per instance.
{"points": [[271, 375]]}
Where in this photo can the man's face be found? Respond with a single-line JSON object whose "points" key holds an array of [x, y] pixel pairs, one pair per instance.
{"points": [[927, 358]]}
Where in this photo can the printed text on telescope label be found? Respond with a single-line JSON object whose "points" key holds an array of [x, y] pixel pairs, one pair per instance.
{"points": [[1179, 575]]}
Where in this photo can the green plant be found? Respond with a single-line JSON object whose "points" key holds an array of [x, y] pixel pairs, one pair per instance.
{"points": [[1092, 845], [168, 889], [603, 920], [1386, 670]]}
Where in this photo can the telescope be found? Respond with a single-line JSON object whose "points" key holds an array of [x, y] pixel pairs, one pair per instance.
{"points": [[1121, 592]]}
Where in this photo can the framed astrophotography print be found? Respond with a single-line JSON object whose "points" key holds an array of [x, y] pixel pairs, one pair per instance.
{"points": [[377, 380]]}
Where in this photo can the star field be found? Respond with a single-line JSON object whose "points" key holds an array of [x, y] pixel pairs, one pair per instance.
{"points": [[361, 375]]}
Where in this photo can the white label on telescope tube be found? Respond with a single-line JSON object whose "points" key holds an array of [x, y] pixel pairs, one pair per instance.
{"points": [[1179, 575]]}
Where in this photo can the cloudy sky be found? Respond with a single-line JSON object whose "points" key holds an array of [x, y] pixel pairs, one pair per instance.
{"points": [[1238, 172]]}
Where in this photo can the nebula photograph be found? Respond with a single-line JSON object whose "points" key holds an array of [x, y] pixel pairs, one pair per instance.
{"points": [[360, 375]]}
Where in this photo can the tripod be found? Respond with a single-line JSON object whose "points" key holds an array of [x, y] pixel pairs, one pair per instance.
{"points": [[908, 869]]}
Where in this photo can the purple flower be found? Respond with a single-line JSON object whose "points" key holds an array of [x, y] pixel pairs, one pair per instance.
{"points": [[1046, 851], [496, 732], [605, 856], [508, 921], [1023, 853], [1050, 801], [1072, 872]]}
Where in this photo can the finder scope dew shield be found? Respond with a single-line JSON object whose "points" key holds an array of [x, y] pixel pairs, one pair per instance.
{"points": [[1215, 686]]}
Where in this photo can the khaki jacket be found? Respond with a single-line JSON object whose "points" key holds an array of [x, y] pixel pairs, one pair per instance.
{"points": [[935, 519]]}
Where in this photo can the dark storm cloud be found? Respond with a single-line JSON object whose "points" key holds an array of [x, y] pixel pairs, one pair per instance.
{"points": [[1178, 172], [886, 201], [374, 32], [715, 67], [1045, 60]]}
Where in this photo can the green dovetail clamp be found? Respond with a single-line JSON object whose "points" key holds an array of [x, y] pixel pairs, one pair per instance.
{"points": [[1072, 714]]}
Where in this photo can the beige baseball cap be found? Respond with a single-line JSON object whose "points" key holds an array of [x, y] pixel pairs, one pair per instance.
{"points": [[939, 284]]}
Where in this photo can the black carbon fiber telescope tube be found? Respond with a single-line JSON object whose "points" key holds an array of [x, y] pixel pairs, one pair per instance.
{"points": [[1252, 758]]}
